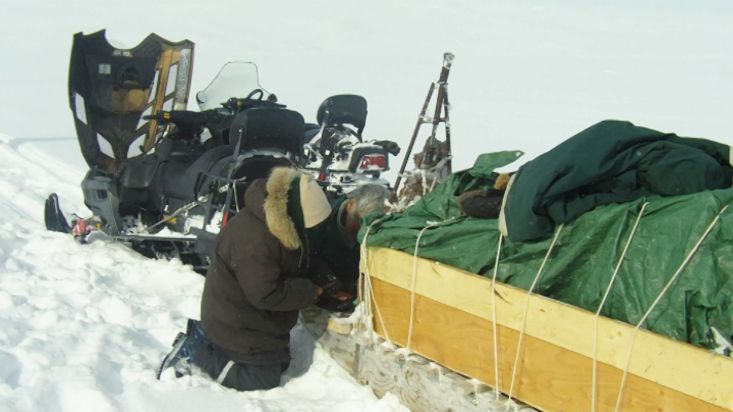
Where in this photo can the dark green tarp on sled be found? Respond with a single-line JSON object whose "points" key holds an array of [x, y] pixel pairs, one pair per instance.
{"points": [[610, 162], [587, 251]]}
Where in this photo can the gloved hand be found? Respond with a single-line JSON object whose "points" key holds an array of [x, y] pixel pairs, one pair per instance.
{"points": [[331, 284], [335, 304]]}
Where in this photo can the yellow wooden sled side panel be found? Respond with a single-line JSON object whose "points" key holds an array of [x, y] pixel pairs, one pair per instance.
{"points": [[453, 327]]}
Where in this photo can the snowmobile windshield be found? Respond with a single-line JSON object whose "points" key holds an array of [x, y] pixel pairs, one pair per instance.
{"points": [[235, 79]]}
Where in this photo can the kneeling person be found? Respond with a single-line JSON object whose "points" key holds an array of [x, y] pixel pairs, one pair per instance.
{"points": [[258, 281]]}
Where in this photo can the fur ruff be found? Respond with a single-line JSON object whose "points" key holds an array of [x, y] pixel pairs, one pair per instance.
{"points": [[278, 220]]}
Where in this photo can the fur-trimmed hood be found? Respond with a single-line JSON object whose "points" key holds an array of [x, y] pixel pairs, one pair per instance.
{"points": [[278, 220]]}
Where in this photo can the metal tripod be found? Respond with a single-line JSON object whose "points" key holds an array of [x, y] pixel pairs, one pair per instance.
{"points": [[430, 150]]}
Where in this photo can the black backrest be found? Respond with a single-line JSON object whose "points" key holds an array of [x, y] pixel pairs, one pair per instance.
{"points": [[344, 109], [268, 128]]}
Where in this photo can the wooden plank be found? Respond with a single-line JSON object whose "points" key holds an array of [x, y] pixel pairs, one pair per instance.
{"points": [[168, 58], [549, 377], [163, 66], [675, 365]]}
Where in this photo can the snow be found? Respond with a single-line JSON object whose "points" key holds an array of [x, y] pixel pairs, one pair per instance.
{"points": [[84, 327]]}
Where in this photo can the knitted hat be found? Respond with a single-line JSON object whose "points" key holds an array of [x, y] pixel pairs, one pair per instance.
{"points": [[313, 202]]}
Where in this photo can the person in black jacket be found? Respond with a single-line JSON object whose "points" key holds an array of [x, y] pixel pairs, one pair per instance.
{"points": [[259, 279]]}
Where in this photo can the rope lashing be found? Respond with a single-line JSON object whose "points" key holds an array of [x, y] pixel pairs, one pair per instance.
{"points": [[654, 304], [594, 391], [493, 316], [414, 275], [368, 297], [526, 311]]}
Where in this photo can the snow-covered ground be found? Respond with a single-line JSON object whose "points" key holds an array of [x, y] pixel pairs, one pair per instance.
{"points": [[84, 327]]}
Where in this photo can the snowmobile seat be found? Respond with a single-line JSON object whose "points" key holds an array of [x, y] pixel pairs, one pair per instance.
{"points": [[311, 130], [269, 129], [180, 180], [344, 109]]}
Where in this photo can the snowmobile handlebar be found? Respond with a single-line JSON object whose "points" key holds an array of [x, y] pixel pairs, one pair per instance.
{"points": [[185, 119], [237, 105], [194, 122]]}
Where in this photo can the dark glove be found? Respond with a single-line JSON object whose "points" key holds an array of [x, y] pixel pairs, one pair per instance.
{"points": [[326, 280], [332, 304]]}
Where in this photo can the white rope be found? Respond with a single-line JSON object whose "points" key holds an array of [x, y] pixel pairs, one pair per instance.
{"points": [[369, 293], [236, 198], [526, 311], [493, 315], [654, 304], [414, 277], [432, 185], [594, 391], [363, 307], [365, 292]]}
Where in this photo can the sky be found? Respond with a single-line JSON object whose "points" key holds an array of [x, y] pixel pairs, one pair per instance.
{"points": [[82, 328], [527, 75]]}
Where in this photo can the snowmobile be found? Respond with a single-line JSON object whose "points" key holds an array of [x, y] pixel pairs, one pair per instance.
{"points": [[161, 178], [335, 152]]}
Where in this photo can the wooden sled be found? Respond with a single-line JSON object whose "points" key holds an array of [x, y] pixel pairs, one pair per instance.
{"points": [[450, 364]]}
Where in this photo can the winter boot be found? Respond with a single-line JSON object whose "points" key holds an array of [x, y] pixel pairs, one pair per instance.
{"points": [[180, 357]]}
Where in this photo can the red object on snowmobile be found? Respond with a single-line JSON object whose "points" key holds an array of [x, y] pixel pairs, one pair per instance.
{"points": [[80, 228], [373, 161]]}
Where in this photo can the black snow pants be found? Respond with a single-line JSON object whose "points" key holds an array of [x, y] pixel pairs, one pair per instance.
{"points": [[237, 375]]}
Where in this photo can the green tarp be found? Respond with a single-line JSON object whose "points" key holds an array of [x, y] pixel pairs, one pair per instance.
{"points": [[587, 250], [610, 162]]}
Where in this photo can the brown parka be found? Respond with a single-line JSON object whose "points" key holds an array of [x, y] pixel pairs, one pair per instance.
{"points": [[256, 283]]}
